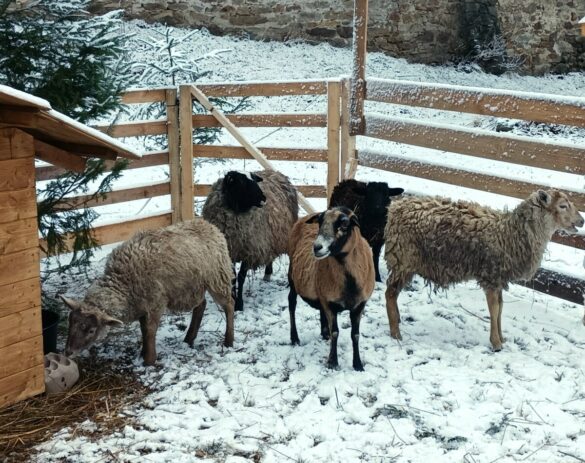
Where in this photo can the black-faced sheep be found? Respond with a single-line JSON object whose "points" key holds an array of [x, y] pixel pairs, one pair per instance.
{"points": [[448, 242], [255, 211], [155, 271], [331, 269], [370, 202]]}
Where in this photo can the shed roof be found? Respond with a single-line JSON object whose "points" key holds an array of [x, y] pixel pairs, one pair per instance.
{"points": [[57, 137], [582, 20]]}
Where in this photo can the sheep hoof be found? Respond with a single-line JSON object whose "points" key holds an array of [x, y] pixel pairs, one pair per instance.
{"points": [[358, 366], [295, 342], [332, 365], [379, 279], [228, 343], [189, 342], [396, 335], [149, 361], [325, 335], [267, 277], [497, 348], [239, 306]]}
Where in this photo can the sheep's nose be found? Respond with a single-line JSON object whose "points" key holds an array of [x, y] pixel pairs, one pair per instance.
{"points": [[581, 222], [317, 247]]}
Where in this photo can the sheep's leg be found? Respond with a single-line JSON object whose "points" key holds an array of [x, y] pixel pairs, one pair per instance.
{"points": [[195, 323], [501, 303], [149, 339], [355, 317], [226, 302], [324, 324], [241, 279], [292, 307], [142, 321], [376, 256], [392, 292], [494, 308], [334, 332], [268, 272]]}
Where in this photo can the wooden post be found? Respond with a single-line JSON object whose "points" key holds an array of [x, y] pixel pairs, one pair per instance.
{"points": [[174, 152], [239, 136], [358, 81], [333, 126], [186, 131], [348, 152]]}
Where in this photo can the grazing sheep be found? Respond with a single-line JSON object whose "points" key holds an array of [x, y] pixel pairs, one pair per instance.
{"points": [[331, 269], [370, 202], [449, 242], [255, 211], [154, 271]]}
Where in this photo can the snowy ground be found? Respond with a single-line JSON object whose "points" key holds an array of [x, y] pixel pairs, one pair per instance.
{"points": [[441, 395]]}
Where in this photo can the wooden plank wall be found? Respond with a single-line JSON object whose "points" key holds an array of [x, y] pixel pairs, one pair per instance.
{"points": [[21, 343]]}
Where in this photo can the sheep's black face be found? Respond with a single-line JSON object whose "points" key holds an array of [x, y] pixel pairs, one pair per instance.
{"points": [[335, 227], [241, 191], [378, 196]]}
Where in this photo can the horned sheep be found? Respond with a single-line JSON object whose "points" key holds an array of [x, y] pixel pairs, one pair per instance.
{"points": [[255, 211], [154, 271], [331, 269], [448, 242], [370, 202]]}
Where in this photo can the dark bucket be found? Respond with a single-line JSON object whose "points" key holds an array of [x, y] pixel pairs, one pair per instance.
{"points": [[50, 323]]}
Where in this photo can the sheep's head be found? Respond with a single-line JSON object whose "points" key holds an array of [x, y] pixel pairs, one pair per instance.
{"points": [[378, 196], [335, 228], [563, 212], [241, 191], [86, 326]]}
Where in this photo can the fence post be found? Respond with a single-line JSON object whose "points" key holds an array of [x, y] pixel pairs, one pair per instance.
{"points": [[186, 131], [333, 125], [174, 153], [348, 152], [358, 82]]}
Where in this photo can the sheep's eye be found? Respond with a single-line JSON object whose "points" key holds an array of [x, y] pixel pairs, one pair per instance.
{"points": [[563, 206]]}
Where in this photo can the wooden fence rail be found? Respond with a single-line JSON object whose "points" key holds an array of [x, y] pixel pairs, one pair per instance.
{"points": [[340, 153]]}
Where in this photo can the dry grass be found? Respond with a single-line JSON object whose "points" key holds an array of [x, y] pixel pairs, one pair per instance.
{"points": [[101, 394]]}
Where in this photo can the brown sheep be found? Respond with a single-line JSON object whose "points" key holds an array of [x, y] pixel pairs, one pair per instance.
{"points": [[448, 242], [331, 268]]}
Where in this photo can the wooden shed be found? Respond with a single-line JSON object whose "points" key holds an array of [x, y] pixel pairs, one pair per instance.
{"points": [[30, 128], [582, 24]]}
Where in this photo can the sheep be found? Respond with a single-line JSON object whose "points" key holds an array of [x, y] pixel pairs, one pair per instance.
{"points": [[170, 268], [255, 211], [331, 269], [448, 242], [370, 202]]}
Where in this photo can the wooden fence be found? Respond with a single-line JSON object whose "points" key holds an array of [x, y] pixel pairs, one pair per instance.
{"points": [[503, 147], [339, 151]]}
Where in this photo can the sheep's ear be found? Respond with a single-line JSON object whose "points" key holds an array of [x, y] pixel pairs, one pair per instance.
{"points": [[396, 191], [71, 303], [544, 198], [315, 219], [255, 177], [110, 321]]}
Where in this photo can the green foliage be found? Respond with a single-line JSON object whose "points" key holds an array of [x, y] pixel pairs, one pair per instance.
{"points": [[59, 216], [56, 51]]}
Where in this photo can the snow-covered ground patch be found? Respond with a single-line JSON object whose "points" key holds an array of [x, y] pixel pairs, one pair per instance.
{"points": [[440, 395]]}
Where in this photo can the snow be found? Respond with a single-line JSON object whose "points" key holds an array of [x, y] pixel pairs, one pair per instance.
{"points": [[24, 97], [440, 395]]}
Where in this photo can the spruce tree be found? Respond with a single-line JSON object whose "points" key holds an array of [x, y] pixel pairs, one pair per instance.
{"points": [[57, 51]]}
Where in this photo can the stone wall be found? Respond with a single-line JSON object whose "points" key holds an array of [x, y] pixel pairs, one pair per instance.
{"points": [[543, 32]]}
